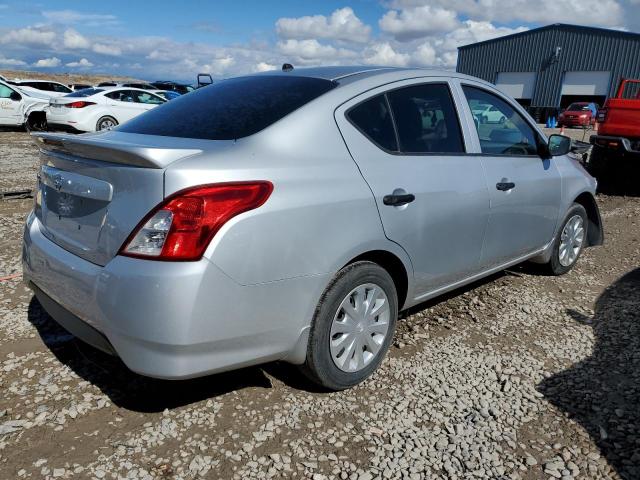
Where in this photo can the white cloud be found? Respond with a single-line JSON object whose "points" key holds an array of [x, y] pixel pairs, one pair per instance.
{"points": [[11, 62], [384, 54], [587, 12], [29, 36], [342, 24], [425, 55], [264, 67], [83, 62], [73, 39], [48, 62], [113, 50], [218, 66], [470, 32], [312, 51], [417, 22], [68, 17]]}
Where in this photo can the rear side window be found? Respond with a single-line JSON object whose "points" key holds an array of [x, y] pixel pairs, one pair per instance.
{"points": [[86, 92], [373, 118], [631, 90], [426, 119], [230, 109]]}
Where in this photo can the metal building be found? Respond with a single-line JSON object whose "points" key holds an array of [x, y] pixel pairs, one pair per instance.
{"points": [[549, 67]]}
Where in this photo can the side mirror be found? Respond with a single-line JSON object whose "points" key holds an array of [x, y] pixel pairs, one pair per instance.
{"points": [[15, 96], [559, 145]]}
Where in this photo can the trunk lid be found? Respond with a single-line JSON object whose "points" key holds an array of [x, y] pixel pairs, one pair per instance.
{"points": [[94, 189]]}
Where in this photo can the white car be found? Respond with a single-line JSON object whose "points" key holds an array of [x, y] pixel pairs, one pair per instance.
{"points": [[53, 89], [488, 114], [20, 107], [95, 109]]}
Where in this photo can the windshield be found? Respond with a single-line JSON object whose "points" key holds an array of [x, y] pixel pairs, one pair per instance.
{"points": [[230, 109], [575, 107]]}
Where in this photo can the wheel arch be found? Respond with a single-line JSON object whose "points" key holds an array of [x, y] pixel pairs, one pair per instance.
{"points": [[393, 265], [595, 234]]}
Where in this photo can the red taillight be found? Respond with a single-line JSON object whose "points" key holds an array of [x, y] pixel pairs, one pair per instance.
{"points": [[602, 115], [182, 226], [79, 104]]}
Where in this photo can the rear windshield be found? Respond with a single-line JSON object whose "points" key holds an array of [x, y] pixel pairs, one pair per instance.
{"points": [[85, 92], [230, 109]]}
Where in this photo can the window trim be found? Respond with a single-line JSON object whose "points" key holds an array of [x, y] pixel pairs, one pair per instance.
{"points": [[540, 138], [395, 128]]}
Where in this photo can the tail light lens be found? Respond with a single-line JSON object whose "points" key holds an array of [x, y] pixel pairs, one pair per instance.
{"points": [[602, 115], [182, 226], [79, 104]]}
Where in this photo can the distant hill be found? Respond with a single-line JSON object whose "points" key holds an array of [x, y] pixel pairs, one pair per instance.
{"points": [[64, 78]]}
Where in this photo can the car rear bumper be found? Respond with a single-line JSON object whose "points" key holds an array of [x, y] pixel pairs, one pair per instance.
{"points": [[66, 119], [170, 319], [619, 144]]}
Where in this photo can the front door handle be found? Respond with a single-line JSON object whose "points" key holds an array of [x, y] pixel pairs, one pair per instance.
{"points": [[398, 200], [504, 186]]}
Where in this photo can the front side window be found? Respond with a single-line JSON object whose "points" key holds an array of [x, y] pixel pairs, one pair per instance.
{"points": [[146, 97], [510, 134], [426, 119], [5, 92], [373, 118]]}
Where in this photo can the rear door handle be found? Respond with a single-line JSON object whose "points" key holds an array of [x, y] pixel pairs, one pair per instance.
{"points": [[504, 186], [398, 200]]}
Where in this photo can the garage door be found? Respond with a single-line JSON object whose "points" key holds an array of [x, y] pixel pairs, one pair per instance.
{"points": [[586, 83], [517, 84]]}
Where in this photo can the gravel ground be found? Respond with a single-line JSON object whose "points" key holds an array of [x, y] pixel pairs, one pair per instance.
{"points": [[520, 376]]}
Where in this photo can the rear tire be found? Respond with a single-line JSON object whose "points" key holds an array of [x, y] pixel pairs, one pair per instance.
{"points": [[570, 241], [106, 123], [353, 326]]}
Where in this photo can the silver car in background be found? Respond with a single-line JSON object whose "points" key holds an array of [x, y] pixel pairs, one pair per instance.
{"points": [[291, 215]]}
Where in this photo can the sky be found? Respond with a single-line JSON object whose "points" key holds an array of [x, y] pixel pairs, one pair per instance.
{"points": [[176, 40]]}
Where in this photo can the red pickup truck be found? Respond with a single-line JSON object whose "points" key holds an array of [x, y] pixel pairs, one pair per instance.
{"points": [[616, 147]]}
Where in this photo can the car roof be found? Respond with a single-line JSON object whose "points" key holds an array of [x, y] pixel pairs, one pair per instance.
{"points": [[36, 80], [120, 87], [359, 72]]}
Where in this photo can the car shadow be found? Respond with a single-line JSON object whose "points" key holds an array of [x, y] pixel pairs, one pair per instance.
{"points": [[602, 392], [623, 180], [127, 389]]}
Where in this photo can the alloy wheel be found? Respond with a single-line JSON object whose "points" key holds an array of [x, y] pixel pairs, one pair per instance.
{"points": [[571, 241]]}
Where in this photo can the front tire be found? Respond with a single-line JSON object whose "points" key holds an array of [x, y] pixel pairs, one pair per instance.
{"points": [[570, 241], [353, 326], [106, 123]]}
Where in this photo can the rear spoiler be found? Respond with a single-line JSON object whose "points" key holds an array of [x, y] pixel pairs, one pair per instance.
{"points": [[102, 147]]}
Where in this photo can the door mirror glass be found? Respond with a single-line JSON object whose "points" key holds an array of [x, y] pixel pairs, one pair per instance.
{"points": [[15, 96], [559, 145]]}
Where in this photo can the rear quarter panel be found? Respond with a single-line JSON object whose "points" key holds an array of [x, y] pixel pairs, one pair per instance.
{"points": [[320, 215]]}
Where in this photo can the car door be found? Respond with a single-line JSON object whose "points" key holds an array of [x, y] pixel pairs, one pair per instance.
{"points": [[10, 112], [123, 106], [408, 143], [524, 188]]}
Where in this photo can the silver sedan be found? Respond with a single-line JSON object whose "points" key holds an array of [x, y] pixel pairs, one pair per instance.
{"points": [[290, 216]]}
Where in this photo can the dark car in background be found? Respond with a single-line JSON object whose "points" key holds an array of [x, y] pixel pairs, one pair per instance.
{"points": [[180, 88]]}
